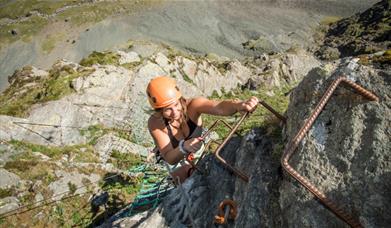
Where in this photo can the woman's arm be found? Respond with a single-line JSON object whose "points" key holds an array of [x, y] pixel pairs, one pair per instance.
{"points": [[221, 108]]}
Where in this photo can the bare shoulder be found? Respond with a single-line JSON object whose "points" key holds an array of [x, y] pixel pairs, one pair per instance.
{"points": [[154, 122]]}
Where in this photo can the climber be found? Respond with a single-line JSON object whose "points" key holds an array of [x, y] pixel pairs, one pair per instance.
{"points": [[176, 124]]}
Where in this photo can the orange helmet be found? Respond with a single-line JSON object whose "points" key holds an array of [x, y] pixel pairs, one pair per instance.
{"points": [[162, 91]]}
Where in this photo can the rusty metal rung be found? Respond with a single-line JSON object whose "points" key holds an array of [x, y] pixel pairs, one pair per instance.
{"points": [[272, 110], [222, 160], [294, 143], [230, 134]]}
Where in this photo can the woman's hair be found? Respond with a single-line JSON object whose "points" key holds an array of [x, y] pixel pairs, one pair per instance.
{"points": [[184, 104]]}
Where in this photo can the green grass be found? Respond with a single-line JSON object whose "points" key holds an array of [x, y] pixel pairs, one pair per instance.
{"points": [[17, 99], [94, 132], [187, 79], [5, 193], [103, 58], [81, 152], [366, 59], [330, 20], [124, 161], [49, 43], [21, 8], [261, 117], [91, 12], [77, 15], [25, 29]]}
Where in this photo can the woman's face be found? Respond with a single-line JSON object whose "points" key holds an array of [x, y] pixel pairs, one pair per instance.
{"points": [[173, 111]]}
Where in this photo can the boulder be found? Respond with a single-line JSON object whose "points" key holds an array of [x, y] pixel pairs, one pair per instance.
{"points": [[345, 154], [8, 179]]}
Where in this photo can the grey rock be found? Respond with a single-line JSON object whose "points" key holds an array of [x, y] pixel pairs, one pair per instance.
{"points": [[38, 197], [281, 69], [107, 143], [60, 188], [26, 74], [345, 154], [8, 204], [128, 57], [8, 179]]}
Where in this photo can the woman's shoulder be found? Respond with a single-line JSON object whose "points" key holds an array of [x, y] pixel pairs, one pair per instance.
{"points": [[197, 100], [155, 122]]}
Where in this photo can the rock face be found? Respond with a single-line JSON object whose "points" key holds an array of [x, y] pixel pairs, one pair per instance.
{"points": [[114, 96], [8, 179], [346, 154], [366, 32], [195, 202]]}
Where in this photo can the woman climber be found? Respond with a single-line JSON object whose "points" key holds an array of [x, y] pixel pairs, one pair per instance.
{"points": [[176, 124]]}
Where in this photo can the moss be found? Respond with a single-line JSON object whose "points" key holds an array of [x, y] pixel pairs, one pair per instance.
{"points": [[131, 66], [81, 152], [124, 189], [21, 166], [384, 59], [25, 29], [80, 13], [261, 117], [330, 20], [92, 13], [5, 193], [94, 132], [187, 79], [124, 161], [18, 98], [32, 170], [72, 188], [88, 13], [50, 42], [86, 153], [20, 8], [103, 58]]}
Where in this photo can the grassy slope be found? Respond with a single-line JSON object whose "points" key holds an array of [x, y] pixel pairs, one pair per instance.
{"points": [[78, 13]]}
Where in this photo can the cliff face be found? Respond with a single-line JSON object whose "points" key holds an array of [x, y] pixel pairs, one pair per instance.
{"points": [[90, 118], [346, 154], [363, 33], [347, 151]]}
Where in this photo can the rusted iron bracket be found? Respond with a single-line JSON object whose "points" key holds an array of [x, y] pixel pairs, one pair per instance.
{"points": [[228, 209], [237, 172], [293, 144], [222, 160], [278, 115]]}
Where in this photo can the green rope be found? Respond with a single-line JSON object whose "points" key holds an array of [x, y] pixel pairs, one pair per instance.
{"points": [[152, 189]]}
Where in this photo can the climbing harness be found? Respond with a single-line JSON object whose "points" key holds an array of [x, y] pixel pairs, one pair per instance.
{"points": [[228, 209], [291, 147]]}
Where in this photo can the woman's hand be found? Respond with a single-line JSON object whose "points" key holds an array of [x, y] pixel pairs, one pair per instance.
{"points": [[248, 106], [193, 145]]}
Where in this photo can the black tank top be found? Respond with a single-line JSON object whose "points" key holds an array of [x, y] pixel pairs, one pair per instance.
{"points": [[174, 142]]}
